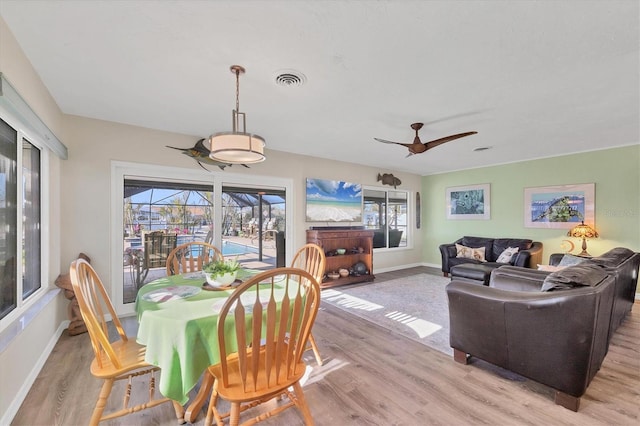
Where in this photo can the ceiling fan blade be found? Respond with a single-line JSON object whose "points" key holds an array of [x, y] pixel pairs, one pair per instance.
{"points": [[391, 142], [434, 143]]}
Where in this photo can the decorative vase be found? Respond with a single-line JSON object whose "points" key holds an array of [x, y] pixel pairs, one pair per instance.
{"points": [[222, 280]]}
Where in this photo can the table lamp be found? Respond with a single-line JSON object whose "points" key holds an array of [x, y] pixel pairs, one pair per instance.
{"points": [[583, 231]]}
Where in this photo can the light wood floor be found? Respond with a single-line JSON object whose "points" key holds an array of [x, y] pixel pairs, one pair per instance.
{"points": [[373, 377]]}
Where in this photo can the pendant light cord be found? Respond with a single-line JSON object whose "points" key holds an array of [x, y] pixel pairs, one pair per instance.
{"points": [[237, 90]]}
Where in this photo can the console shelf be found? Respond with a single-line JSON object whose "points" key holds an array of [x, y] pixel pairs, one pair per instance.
{"points": [[332, 239]]}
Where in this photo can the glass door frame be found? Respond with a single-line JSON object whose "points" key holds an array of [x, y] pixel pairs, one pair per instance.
{"points": [[121, 170]]}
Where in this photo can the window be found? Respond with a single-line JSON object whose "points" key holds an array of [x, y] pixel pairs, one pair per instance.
{"points": [[20, 218], [385, 212]]}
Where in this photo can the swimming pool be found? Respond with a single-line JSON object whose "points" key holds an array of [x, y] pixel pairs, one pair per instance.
{"points": [[230, 248]]}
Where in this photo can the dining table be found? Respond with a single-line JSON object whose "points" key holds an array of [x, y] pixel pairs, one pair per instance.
{"points": [[177, 318]]}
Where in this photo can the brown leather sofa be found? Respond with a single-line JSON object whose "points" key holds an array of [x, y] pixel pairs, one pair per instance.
{"points": [[557, 337], [529, 254]]}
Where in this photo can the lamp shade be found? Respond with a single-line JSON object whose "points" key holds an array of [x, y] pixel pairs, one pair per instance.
{"points": [[583, 231], [236, 148]]}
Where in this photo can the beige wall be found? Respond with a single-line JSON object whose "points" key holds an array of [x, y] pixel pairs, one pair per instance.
{"points": [[93, 144]]}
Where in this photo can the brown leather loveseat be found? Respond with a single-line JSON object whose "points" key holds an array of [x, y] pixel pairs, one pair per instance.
{"points": [[529, 252]]}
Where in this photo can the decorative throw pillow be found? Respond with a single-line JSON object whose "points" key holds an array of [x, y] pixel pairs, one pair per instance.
{"points": [[574, 276], [507, 254], [550, 268], [570, 260], [470, 252]]}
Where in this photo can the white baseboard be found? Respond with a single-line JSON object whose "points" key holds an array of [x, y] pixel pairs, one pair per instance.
{"points": [[410, 265]]}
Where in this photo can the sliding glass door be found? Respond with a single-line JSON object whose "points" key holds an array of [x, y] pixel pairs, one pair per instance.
{"points": [[246, 217]]}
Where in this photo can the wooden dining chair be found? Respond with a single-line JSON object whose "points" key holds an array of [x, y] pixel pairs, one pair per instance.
{"points": [[269, 318], [311, 258], [191, 257], [119, 360]]}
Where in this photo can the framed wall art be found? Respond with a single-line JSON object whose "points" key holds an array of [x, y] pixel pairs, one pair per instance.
{"points": [[333, 201], [469, 202], [561, 206]]}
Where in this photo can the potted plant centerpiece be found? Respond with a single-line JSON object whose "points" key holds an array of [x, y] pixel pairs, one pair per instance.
{"points": [[221, 273]]}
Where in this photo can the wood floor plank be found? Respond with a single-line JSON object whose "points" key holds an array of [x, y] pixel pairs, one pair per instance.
{"points": [[370, 377]]}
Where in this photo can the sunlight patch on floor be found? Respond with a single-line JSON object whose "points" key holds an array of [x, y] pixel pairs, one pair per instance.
{"points": [[349, 301], [422, 327], [319, 373]]}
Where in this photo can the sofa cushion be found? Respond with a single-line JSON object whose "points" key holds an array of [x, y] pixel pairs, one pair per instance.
{"points": [[574, 276], [507, 254], [501, 244], [470, 252], [570, 260]]}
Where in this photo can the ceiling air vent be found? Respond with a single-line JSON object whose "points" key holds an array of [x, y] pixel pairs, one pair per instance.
{"points": [[290, 78]]}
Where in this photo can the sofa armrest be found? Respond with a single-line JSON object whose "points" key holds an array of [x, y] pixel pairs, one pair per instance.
{"points": [[447, 251], [531, 257], [555, 258]]}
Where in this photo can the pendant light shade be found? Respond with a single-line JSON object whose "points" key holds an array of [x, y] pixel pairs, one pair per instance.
{"points": [[237, 146]]}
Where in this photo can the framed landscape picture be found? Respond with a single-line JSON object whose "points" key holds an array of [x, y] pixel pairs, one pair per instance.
{"points": [[469, 202], [333, 201], [562, 206]]}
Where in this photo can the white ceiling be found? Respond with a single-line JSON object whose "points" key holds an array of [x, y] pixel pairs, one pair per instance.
{"points": [[534, 78]]}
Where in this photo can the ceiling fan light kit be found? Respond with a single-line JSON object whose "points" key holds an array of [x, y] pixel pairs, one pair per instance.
{"points": [[418, 147], [237, 147]]}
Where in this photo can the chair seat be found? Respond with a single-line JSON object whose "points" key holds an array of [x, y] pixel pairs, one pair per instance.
{"points": [[235, 392]]}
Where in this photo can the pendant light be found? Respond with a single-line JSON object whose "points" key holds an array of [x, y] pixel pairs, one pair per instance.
{"points": [[237, 146]]}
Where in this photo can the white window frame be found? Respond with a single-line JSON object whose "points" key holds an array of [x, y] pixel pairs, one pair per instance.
{"points": [[16, 317]]}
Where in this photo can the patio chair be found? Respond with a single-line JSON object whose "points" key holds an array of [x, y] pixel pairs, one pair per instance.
{"points": [[157, 246], [263, 329], [114, 361], [191, 257], [311, 258], [154, 252]]}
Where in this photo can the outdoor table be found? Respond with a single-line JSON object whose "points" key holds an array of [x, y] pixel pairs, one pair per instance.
{"points": [[178, 326]]}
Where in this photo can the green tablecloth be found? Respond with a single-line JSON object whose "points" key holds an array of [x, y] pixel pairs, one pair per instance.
{"points": [[180, 333]]}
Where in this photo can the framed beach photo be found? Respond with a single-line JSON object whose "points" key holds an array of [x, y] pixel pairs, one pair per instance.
{"points": [[333, 201], [469, 202], [561, 206]]}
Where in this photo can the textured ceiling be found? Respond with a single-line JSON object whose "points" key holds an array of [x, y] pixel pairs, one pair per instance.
{"points": [[534, 78]]}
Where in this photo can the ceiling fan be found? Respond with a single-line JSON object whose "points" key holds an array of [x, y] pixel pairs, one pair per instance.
{"points": [[417, 147]]}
